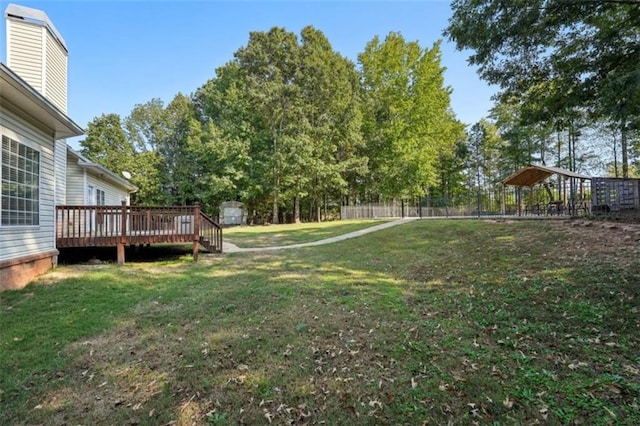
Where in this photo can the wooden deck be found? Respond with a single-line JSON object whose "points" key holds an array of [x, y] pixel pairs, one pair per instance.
{"points": [[120, 226]]}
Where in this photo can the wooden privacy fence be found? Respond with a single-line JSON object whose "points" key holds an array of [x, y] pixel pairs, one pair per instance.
{"points": [[119, 226]]}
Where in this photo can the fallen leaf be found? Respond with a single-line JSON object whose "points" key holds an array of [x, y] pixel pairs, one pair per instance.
{"points": [[613, 389], [375, 403], [508, 402]]}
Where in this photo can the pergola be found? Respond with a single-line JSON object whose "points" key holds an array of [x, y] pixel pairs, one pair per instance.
{"points": [[530, 176]]}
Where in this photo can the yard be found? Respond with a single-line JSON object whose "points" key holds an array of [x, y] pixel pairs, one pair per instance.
{"points": [[428, 322]]}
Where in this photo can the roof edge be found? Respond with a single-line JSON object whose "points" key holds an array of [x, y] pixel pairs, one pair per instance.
{"points": [[36, 97], [86, 163]]}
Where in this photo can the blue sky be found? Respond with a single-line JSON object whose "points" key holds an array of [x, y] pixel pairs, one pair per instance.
{"points": [[123, 53]]}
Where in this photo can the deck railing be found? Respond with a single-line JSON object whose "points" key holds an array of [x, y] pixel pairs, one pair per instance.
{"points": [[91, 226]]}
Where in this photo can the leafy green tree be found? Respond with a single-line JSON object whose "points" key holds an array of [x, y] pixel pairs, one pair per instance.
{"points": [[178, 164], [584, 53], [451, 168], [106, 143], [330, 94], [484, 148], [408, 123], [269, 66], [146, 127]]}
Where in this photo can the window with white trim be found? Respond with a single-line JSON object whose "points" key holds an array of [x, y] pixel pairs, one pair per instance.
{"points": [[100, 197], [20, 188]]}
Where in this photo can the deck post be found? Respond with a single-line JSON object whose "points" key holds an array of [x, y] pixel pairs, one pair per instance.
{"points": [[196, 230], [123, 233]]}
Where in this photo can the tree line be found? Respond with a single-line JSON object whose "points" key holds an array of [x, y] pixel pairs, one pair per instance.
{"points": [[568, 79], [291, 128], [294, 129]]}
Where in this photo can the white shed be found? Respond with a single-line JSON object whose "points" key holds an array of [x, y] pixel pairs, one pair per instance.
{"points": [[232, 213]]}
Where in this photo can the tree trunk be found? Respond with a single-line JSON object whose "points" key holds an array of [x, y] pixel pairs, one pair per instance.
{"points": [[615, 157], [274, 217], [296, 210], [624, 151]]}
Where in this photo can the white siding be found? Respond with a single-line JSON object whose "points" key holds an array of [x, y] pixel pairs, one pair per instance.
{"points": [[79, 179], [113, 195], [25, 51], [60, 164], [18, 242], [55, 73], [76, 185]]}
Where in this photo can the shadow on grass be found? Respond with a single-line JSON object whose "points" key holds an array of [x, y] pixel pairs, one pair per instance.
{"points": [[436, 322], [152, 253]]}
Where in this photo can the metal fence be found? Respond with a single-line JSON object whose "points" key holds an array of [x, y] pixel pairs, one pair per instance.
{"points": [[478, 203]]}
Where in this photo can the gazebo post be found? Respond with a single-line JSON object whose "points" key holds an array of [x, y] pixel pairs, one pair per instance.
{"points": [[531, 197], [504, 201]]}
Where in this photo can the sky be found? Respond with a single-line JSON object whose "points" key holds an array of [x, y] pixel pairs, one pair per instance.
{"points": [[124, 53]]}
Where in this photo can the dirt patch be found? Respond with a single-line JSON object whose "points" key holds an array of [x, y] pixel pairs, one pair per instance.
{"points": [[602, 239], [62, 273]]}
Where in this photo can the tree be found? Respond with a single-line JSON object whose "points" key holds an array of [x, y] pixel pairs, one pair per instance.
{"points": [[179, 166], [330, 94], [106, 143], [146, 127], [484, 146], [269, 65], [584, 52], [408, 123]]}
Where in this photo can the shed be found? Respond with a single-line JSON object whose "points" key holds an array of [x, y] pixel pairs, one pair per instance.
{"points": [[617, 196], [232, 213]]}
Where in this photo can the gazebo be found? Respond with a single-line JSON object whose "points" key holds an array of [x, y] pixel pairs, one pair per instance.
{"points": [[570, 195]]}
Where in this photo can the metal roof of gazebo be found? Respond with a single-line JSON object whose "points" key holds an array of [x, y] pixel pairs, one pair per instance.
{"points": [[531, 175]]}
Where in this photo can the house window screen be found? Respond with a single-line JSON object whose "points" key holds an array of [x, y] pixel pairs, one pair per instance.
{"points": [[20, 184]]}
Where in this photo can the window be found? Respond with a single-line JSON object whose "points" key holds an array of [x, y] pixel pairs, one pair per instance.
{"points": [[100, 197], [20, 166]]}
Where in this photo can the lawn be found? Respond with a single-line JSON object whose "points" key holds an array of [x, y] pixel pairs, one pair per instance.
{"points": [[428, 322], [284, 235]]}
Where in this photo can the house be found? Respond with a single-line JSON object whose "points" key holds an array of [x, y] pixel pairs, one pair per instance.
{"points": [[39, 171], [89, 183], [52, 196], [33, 130]]}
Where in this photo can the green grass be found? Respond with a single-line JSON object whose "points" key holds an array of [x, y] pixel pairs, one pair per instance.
{"points": [[283, 235], [431, 321]]}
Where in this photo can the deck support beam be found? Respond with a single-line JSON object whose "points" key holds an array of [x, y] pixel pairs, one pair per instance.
{"points": [[123, 233], [196, 230]]}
